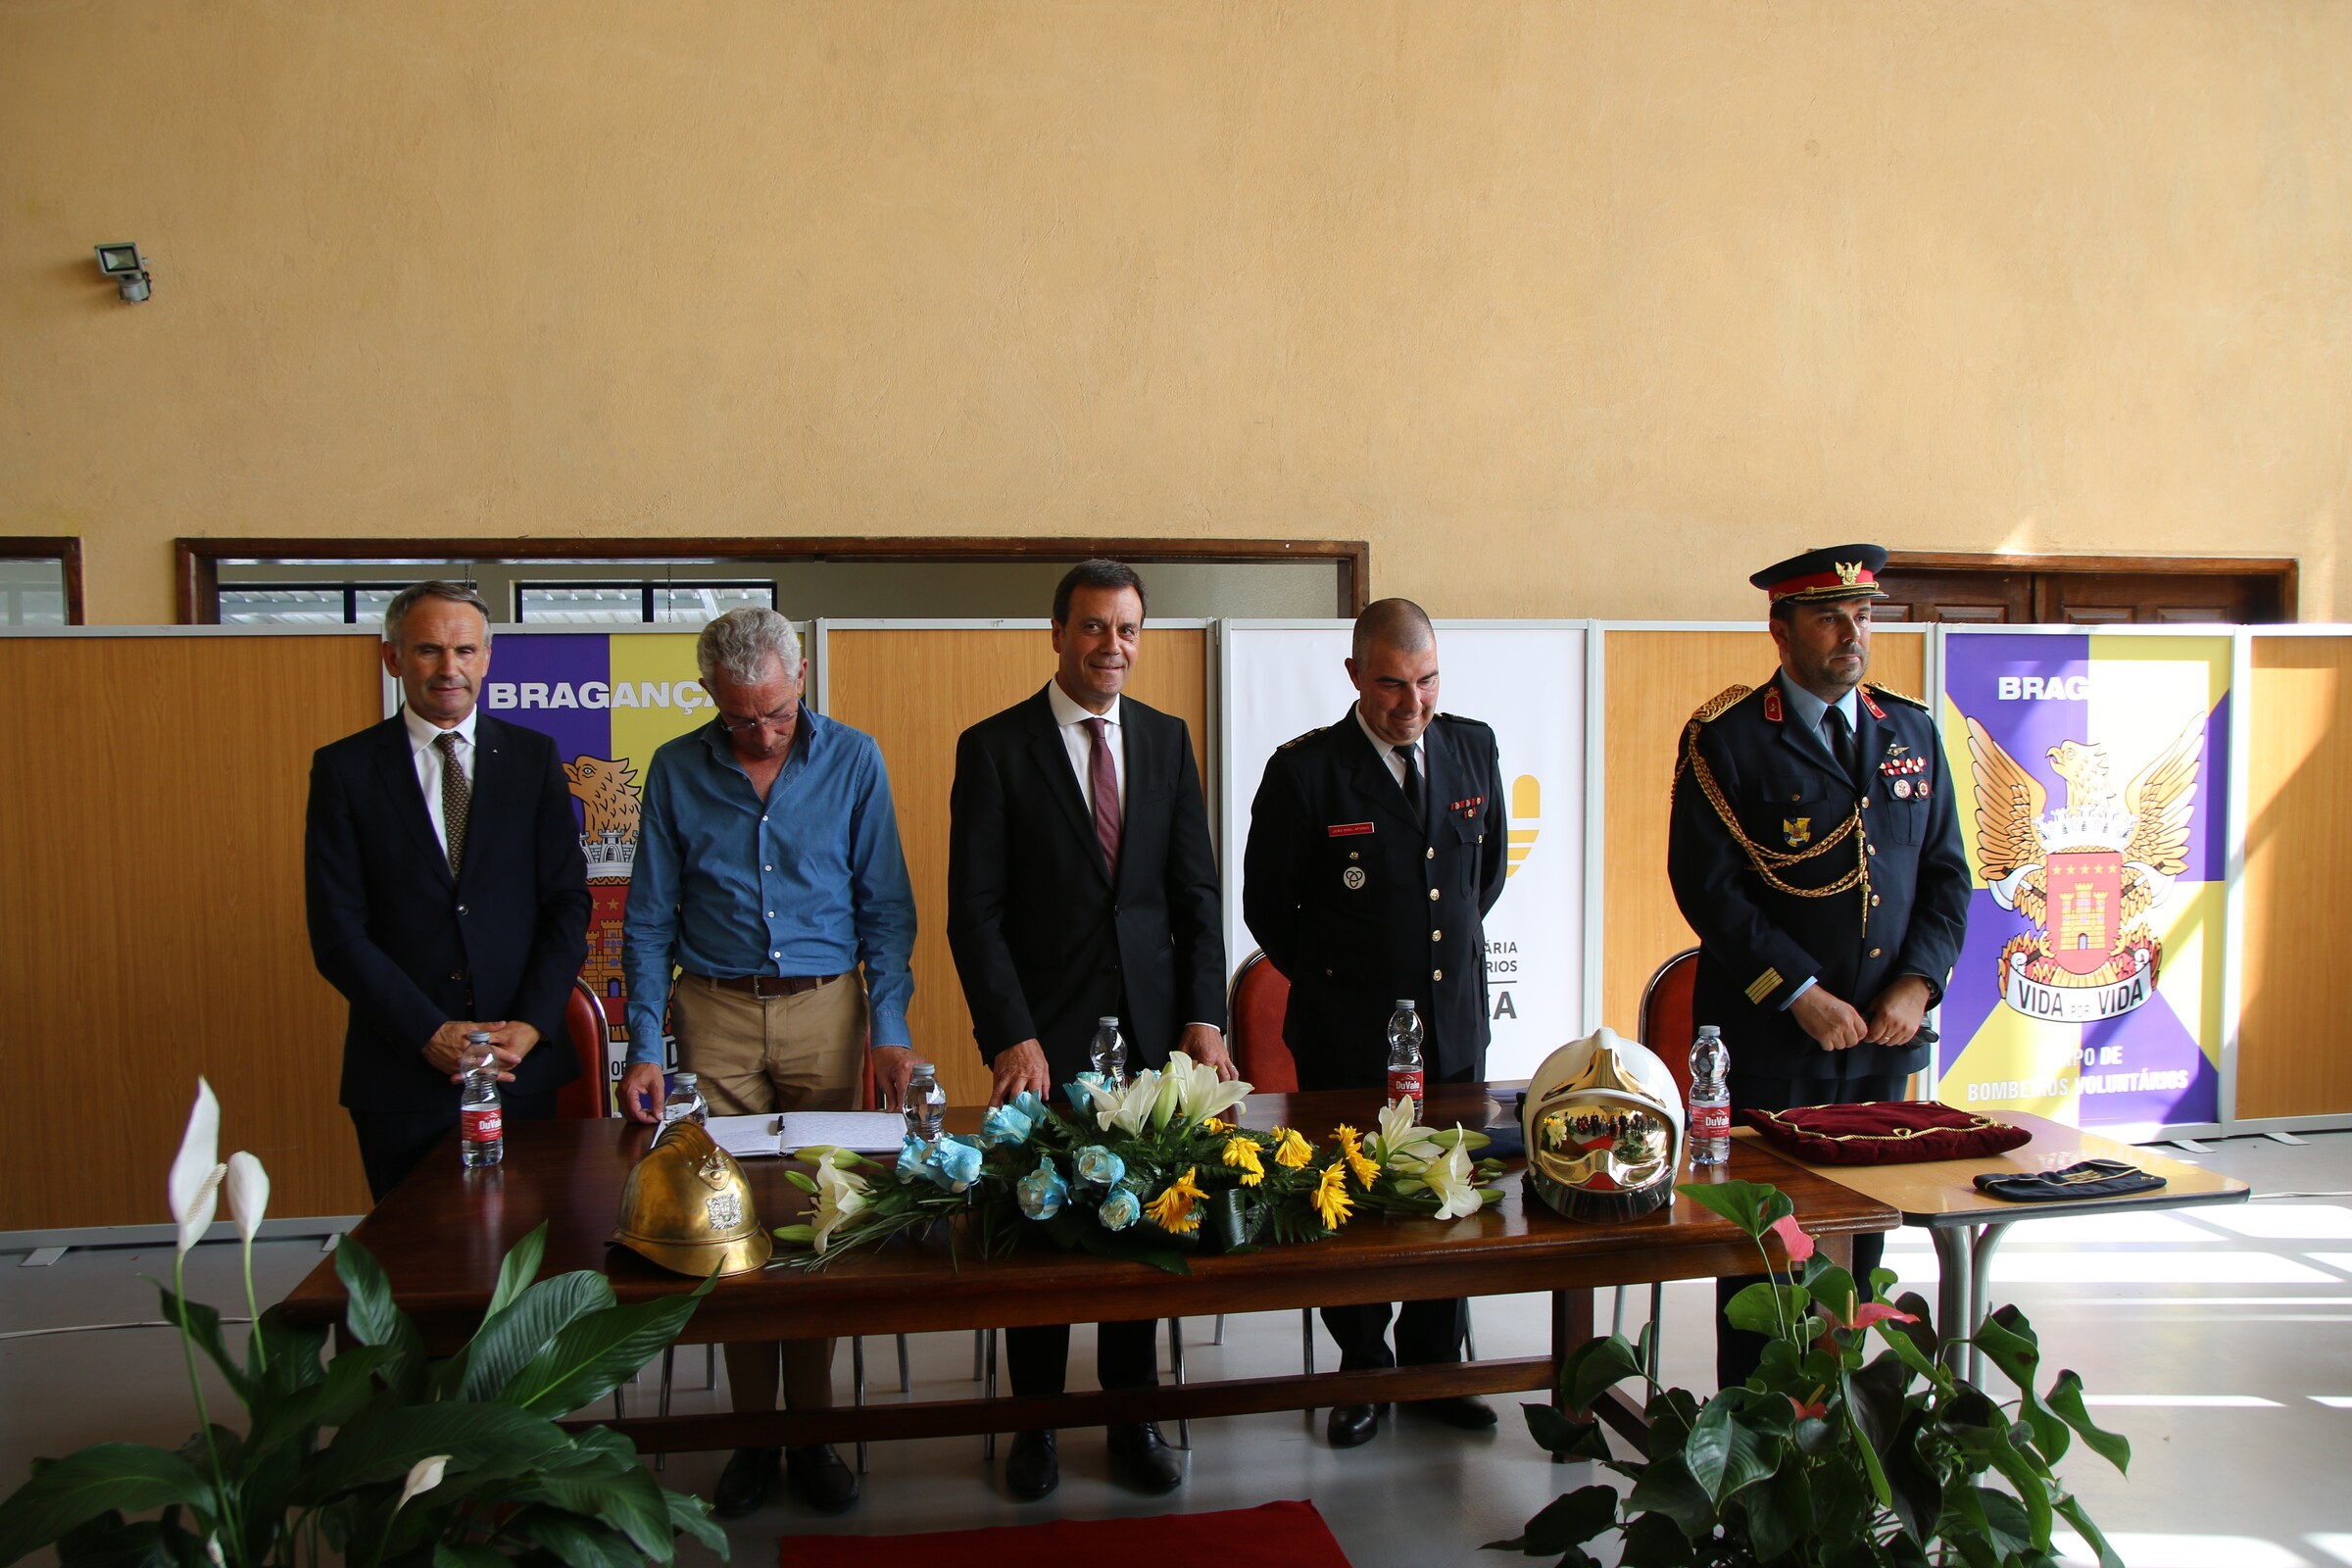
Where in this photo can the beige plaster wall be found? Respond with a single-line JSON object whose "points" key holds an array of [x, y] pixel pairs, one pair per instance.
{"points": [[1568, 308]]}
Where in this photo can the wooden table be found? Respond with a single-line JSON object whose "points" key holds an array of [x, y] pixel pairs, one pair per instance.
{"points": [[1941, 1196], [441, 1234]]}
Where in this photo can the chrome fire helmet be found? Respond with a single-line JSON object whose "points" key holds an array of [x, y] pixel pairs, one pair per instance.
{"points": [[1604, 1129], [688, 1209]]}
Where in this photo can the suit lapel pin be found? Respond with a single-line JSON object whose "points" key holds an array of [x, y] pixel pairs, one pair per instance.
{"points": [[1352, 878]]}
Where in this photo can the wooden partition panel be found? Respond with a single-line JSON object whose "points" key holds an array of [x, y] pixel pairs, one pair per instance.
{"points": [[1656, 679], [2290, 1055], [916, 690], [151, 811]]}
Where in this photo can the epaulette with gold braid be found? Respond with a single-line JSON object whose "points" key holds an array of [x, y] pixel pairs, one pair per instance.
{"points": [[1308, 736], [1719, 701], [1901, 697]]}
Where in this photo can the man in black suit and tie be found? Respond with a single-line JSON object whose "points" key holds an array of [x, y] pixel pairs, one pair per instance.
{"points": [[446, 889], [1375, 847], [1082, 885]]}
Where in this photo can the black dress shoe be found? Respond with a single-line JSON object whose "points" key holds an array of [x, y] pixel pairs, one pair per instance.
{"points": [[1031, 1469], [750, 1479], [820, 1479], [1464, 1410], [1352, 1426], [1142, 1457]]}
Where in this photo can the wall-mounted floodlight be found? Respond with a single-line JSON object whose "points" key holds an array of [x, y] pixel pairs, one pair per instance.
{"points": [[129, 269]]}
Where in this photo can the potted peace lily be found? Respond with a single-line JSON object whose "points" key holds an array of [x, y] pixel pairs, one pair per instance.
{"points": [[1828, 1456], [1150, 1170], [452, 1463]]}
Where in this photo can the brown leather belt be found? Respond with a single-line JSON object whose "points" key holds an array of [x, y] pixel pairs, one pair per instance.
{"points": [[768, 985]]}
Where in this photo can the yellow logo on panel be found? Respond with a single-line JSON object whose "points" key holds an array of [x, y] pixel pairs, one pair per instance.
{"points": [[1527, 808]]}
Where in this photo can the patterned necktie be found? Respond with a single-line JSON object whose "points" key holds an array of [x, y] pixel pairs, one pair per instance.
{"points": [[1412, 779], [1841, 740], [1104, 781], [457, 796]]}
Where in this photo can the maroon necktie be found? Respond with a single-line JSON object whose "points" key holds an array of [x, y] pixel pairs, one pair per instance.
{"points": [[1103, 779]]}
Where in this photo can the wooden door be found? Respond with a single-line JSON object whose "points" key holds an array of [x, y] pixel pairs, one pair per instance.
{"points": [[2086, 590]]}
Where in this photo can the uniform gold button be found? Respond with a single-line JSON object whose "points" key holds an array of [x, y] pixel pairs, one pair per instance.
{"points": [[1874, 900], [1353, 856], [1436, 974], [1796, 797], [1436, 936], [1874, 953], [1430, 853], [1864, 800], [1874, 848], [1432, 894], [1482, 838]]}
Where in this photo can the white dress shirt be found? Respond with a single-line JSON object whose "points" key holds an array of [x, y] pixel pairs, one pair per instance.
{"points": [[425, 751], [1390, 759], [1079, 742]]}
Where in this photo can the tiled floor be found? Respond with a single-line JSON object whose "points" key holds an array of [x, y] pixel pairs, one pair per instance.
{"points": [[2218, 1341]]}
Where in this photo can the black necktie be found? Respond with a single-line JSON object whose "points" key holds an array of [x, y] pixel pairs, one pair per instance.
{"points": [[1412, 779], [456, 797], [1841, 740]]}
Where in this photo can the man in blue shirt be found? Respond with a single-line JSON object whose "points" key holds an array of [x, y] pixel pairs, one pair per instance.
{"points": [[768, 874]]}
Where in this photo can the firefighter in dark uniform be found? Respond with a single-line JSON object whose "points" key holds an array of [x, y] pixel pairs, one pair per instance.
{"points": [[1375, 847], [1816, 851]]}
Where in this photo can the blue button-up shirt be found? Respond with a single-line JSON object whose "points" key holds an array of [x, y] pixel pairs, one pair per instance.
{"points": [[809, 882]]}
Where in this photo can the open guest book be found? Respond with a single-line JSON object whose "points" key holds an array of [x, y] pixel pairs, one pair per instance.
{"points": [[869, 1132]]}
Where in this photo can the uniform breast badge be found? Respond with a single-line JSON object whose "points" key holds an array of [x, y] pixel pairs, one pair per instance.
{"points": [[1798, 830], [1353, 878]]}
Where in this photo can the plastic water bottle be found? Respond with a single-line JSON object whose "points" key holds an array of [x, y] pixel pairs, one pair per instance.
{"points": [[1710, 1132], [1110, 1052], [1404, 1057], [927, 1104], [685, 1100], [481, 1113]]}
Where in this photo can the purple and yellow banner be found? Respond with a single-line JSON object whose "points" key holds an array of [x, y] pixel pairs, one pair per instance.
{"points": [[2090, 772], [610, 701]]}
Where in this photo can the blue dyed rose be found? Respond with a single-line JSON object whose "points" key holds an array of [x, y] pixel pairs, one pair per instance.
{"points": [[1043, 1192], [1029, 1105], [1120, 1209], [956, 1159], [1003, 1125], [1098, 1166], [910, 1159], [1075, 1091]]}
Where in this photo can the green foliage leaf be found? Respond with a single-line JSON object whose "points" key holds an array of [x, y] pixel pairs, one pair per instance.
{"points": [[1564, 1525], [119, 1477], [2031, 1481], [511, 1339], [1557, 1432], [1918, 1492], [1780, 1513], [517, 1270], [107, 1541], [467, 1555], [1655, 1540], [598, 1351], [1667, 1488], [2008, 1343], [1596, 1366], [1724, 1454], [373, 1318], [576, 1541], [2066, 1399], [497, 1438], [1875, 1395], [1753, 1206], [347, 1387], [202, 1325], [628, 1500], [2075, 1515], [1755, 1310], [690, 1515]]}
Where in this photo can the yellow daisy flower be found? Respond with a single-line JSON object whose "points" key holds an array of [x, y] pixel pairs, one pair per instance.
{"points": [[1330, 1197], [1216, 1126], [1294, 1152], [1172, 1210], [1352, 1149], [1241, 1154]]}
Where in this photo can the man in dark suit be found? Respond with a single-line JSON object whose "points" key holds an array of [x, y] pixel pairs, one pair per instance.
{"points": [[1376, 848], [446, 889], [1082, 885], [1815, 849]]}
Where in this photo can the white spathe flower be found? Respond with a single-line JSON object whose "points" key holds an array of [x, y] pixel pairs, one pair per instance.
{"points": [[1404, 1141], [1126, 1108], [248, 1188], [839, 1196], [423, 1476], [1202, 1093], [194, 1185], [1449, 1176]]}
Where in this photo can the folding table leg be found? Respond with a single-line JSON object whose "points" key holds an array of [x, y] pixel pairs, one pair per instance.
{"points": [[905, 1384], [1952, 1294], [858, 1385], [1307, 1350], [1219, 1337], [1657, 1326], [1980, 1271], [1184, 1425], [669, 1358]]}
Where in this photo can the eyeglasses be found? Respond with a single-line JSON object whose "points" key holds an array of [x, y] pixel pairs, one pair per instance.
{"points": [[781, 719]]}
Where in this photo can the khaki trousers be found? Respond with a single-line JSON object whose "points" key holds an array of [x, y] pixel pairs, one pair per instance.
{"points": [[757, 1055]]}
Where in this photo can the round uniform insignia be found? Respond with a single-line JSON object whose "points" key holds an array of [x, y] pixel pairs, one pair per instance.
{"points": [[1354, 876], [1902, 789]]}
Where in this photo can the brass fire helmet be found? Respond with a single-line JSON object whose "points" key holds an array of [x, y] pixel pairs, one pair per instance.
{"points": [[688, 1209], [1604, 1129]]}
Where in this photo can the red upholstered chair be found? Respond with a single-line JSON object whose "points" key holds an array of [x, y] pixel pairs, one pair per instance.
{"points": [[1255, 1007], [590, 1095], [1666, 1027]]}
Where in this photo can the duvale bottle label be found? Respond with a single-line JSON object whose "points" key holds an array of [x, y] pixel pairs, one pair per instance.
{"points": [[1710, 1121], [481, 1126]]}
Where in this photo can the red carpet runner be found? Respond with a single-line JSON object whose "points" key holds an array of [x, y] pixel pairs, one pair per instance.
{"points": [[1277, 1534]]}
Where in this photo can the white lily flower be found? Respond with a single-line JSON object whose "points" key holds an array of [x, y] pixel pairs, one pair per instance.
{"points": [[1203, 1094], [1128, 1109], [839, 1196], [194, 1185], [423, 1476], [1402, 1140], [248, 1186], [1163, 1103], [1449, 1176]]}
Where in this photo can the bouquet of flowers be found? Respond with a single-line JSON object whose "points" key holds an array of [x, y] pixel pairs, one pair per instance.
{"points": [[1151, 1169]]}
